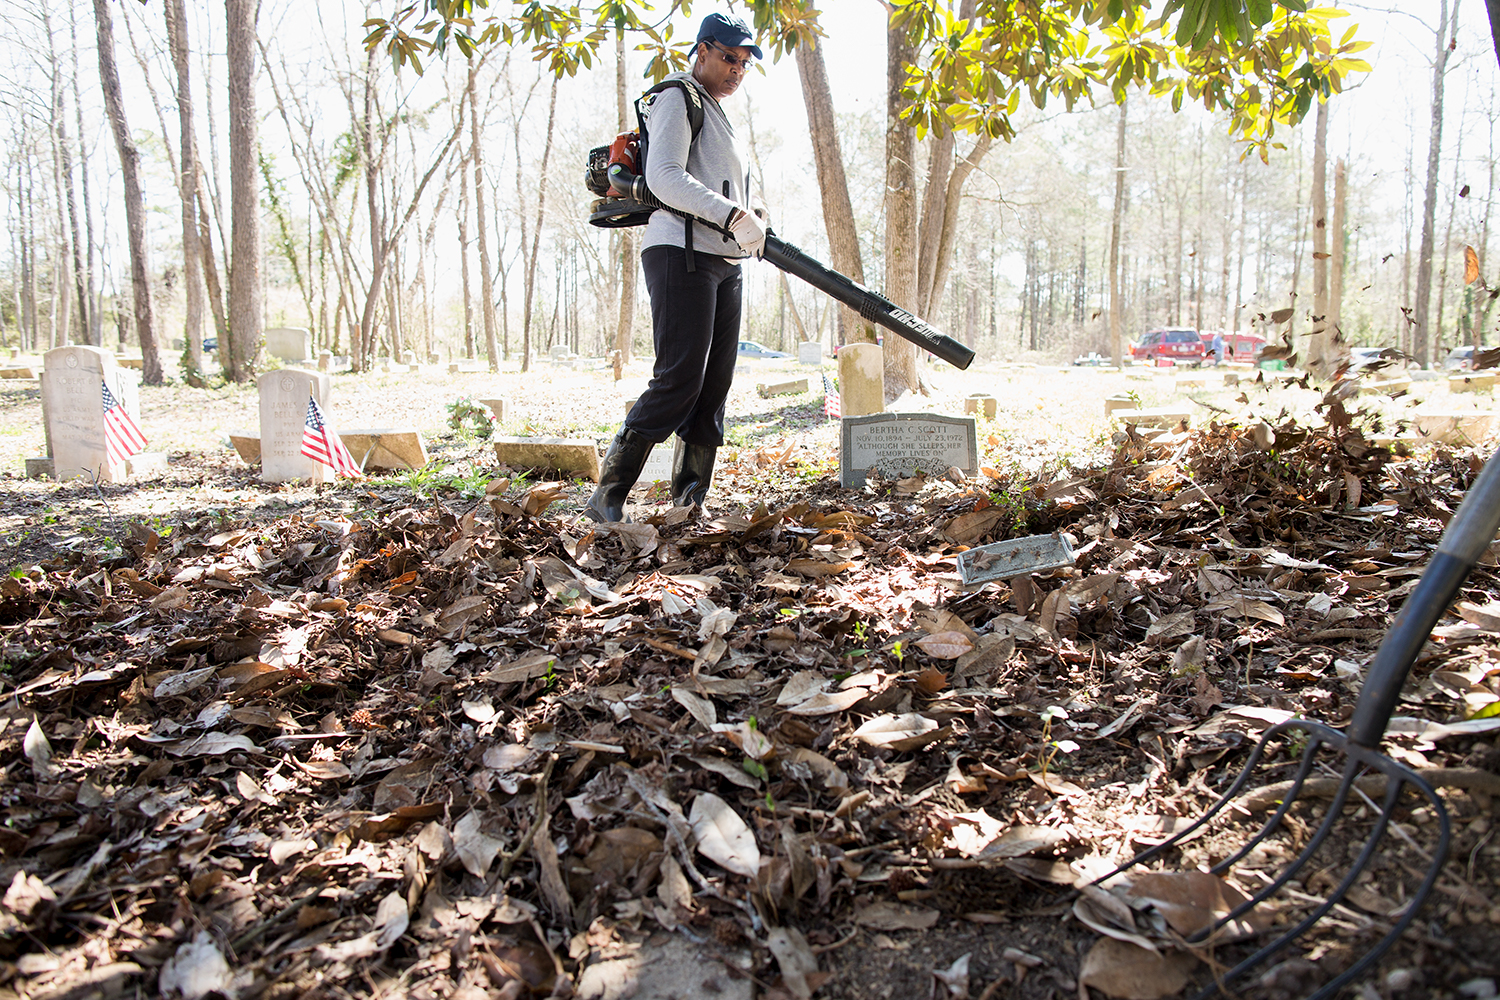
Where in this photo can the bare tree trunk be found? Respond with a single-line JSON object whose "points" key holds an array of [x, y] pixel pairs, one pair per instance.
{"points": [[833, 184], [463, 256], [1336, 268], [187, 185], [246, 306], [536, 234], [135, 210], [1239, 272], [82, 296], [486, 281], [952, 199], [625, 327], [1116, 311], [364, 353], [1447, 25], [900, 355], [95, 325], [1319, 333]]}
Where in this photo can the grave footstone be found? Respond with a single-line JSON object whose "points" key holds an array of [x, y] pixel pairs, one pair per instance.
{"points": [[283, 415], [981, 404], [810, 352], [497, 407], [72, 384], [1121, 402], [1456, 428], [246, 444], [1472, 382], [289, 343], [325, 360], [1158, 416], [796, 385], [902, 444], [385, 448], [18, 372], [861, 380], [562, 454]]}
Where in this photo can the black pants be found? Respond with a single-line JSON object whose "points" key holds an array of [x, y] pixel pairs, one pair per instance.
{"points": [[695, 325]]}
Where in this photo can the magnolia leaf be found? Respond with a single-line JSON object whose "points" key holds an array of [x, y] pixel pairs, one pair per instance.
{"points": [[1123, 970], [195, 970], [722, 837], [945, 645], [886, 916], [699, 707], [38, 750], [884, 730]]}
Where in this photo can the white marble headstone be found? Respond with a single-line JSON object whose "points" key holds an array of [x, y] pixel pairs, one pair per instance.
{"points": [[73, 410], [283, 414]]}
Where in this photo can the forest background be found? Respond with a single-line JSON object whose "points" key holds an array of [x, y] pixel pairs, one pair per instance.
{"points": [[371, 221]]}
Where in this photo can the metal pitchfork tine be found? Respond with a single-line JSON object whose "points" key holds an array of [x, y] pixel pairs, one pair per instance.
{"points": [[1468, 535]]}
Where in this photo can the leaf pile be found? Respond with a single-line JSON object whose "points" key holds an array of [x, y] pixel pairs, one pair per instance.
{"points": [[463, 746]]}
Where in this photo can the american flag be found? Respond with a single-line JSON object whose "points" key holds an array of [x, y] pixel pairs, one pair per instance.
{"points": [[320, 442], [830, 397], [122, 436]]}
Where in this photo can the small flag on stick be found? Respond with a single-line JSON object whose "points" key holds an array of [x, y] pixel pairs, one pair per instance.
{"points": [[122, 436], [830, 397], [320, 442]]}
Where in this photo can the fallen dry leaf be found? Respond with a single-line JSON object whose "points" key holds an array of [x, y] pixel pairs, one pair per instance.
{"points": [[722, 837]]}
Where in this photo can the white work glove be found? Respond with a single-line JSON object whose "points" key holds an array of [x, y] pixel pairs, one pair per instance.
{"points": [[748, 232]]}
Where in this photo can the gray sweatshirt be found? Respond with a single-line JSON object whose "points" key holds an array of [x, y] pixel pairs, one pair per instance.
{"points": [[691, 175]]}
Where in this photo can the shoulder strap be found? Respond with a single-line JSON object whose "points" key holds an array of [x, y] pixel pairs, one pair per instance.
{"points": [[692, 95]]}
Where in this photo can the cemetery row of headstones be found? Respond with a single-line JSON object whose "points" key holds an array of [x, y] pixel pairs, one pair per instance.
{"points": [[87, 398]]}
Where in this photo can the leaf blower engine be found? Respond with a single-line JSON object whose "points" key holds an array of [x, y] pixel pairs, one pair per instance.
{"points": [[613, 173]]}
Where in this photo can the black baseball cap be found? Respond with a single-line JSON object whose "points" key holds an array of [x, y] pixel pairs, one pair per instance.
{"points": [[729, 32]]}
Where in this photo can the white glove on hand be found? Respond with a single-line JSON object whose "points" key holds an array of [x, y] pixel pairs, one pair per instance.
{"points": [[749, 233]]}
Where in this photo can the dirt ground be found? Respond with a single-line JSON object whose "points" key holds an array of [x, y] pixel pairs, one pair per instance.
{"points": [[404, 678]]}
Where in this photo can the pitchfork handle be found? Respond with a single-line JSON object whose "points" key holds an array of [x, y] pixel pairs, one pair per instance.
{"points": [[1469, 534]]}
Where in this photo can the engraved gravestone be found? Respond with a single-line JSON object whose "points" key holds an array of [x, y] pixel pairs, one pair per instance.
{"points": [[72, 384], [289, 343], [902, 444], [283, 414], [810, 352]]}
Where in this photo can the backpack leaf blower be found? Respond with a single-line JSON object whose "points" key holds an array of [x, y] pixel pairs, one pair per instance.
{"points": [[627, 202]]}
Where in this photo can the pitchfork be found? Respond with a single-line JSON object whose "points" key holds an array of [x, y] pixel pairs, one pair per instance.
{"points": [[1468, 535]]}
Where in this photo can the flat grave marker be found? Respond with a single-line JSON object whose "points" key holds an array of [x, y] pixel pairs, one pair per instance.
{"points": [[902, 444]]}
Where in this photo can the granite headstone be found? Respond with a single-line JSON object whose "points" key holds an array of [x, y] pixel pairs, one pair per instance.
{"points": [[902, 444]]}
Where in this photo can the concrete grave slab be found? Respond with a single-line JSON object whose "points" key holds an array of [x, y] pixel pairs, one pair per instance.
{"points": [[1472, 382], [1113, 403], [246, 444], [1158, 416], [565, 455], [289, 343], [20, 371], [980, 404], [1386, 387], [781, 388], [385, 448], [146, 464], [133, 363], [902, 444], [283, 415], [1456, 428]]}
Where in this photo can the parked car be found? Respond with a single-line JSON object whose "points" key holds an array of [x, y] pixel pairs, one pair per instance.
{"points": [[210, 344], [1460, 359], [1364, 357], [1179, 344], [750, 349], [1237, 346]]}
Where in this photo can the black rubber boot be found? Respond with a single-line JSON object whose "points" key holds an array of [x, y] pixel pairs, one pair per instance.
{"points": [[692, 470], [622, 467]]}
